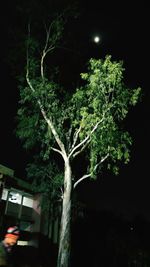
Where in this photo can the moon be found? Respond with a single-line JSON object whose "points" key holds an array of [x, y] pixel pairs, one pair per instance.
{"points": [[96, 39]]}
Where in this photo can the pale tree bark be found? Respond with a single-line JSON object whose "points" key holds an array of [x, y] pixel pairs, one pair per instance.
{"points": [[64, 241]]}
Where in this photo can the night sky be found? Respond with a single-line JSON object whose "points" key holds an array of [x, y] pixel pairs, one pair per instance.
{"points": [[124, 32]]}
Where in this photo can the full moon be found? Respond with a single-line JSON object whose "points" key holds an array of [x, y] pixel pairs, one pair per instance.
{"points": [[96, 39]]}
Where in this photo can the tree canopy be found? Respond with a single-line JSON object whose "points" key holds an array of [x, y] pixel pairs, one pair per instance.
{"points": [[89, 118], [86, 122]]}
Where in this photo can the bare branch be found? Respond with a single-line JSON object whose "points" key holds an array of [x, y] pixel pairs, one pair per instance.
{"points": [[42, 59], [102, 160], [81, 179], [76, 134], [57, 150], [79, 151], [46, 49], [87, 138], [68, 137], [90, 174]]}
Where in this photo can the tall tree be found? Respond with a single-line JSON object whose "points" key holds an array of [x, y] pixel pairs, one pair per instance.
{"points": [[85, 122]]}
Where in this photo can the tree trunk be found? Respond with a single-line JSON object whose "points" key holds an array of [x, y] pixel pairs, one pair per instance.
{"points": [[64, 239]]}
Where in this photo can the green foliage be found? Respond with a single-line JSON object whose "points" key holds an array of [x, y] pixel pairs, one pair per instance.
{"points": [[31, 127], [105, 100], [97, 108], [47, 179]]}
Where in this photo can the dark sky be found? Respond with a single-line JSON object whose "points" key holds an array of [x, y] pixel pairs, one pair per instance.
{"points": [[124, 32]]}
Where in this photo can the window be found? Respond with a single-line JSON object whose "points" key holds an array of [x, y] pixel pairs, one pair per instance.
{"points": [[19, 204]]}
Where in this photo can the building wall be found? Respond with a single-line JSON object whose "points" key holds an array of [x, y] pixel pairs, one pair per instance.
{"points": [[19, 206]]}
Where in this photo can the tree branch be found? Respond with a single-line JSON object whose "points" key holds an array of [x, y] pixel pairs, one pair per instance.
{"points": [[49, 121], [82, 148], [45, 52], [76, 134], [87, 138], [81, 179], [90, 174], [46, 49], [57, 150], [68, 137]]}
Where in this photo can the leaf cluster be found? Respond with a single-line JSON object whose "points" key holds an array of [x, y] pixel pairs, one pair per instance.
{"points": [[104, 100]]}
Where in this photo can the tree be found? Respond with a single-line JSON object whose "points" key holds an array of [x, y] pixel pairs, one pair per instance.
{"points": [[87, 121]]}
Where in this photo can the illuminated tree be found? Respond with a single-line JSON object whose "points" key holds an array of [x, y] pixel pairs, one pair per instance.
{"points": [[86, 121]]}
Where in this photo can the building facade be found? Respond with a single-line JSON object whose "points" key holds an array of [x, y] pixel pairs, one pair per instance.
{"points": [[21, 205]]}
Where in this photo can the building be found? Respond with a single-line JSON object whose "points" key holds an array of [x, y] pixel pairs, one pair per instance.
{"points": [[21, 205]]}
